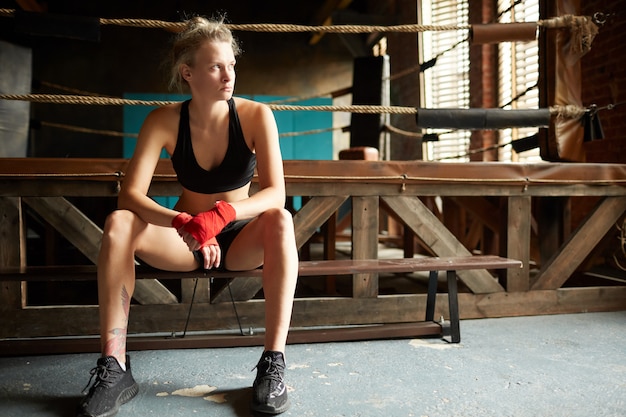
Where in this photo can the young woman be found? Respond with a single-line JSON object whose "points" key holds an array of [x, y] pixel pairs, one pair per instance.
{"points": [[215, 142]]}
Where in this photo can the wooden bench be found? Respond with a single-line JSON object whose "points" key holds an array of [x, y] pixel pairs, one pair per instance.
{"points": [[448, 330]]}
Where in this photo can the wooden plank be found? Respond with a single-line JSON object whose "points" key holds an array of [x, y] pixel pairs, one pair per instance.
{"points": [[314, 214], [318, 171], [305, 268], [57, 188], [96, 169], [518, 242], [83, 321], [313, 178], [12, 251], [542, 302], [207, 341], [435, 235], [81, 187], [79, 230], [365, 243], [554, 274]]}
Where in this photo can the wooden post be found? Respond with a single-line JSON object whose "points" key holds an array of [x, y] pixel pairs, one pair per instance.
{"points": [[518, 242], [365, 243], [12, 251]]}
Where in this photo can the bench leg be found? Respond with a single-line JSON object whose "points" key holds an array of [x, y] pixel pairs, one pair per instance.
{"points": [[453, 303], [432, 295]]}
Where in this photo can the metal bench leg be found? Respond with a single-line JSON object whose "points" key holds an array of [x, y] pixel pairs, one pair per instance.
{"points": [[453, 303], [432, 295]]}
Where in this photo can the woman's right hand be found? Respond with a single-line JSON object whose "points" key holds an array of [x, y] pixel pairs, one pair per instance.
{"points": [[212, 254]]}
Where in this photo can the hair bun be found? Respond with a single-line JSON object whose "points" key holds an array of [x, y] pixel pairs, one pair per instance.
{"points": [[197, 22]]}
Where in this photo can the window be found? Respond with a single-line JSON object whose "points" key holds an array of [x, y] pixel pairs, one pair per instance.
{"points": [[447, 83], [518, 76]]}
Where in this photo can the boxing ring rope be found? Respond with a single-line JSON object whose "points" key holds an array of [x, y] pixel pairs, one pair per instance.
{"points": [[559, 22], [568, 111], [583, 27], [583, 30]]}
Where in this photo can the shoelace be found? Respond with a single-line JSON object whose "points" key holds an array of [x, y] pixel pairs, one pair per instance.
{"points": [[274, 370], [101, 373]]}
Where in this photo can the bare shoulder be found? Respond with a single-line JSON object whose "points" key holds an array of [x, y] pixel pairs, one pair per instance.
{"points": [[165, 116], [162, 122], [160, 128], [257, 122], [250, 110]]}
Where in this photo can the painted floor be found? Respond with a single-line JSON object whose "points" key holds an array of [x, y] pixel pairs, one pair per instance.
{"points": [[563, 365]]}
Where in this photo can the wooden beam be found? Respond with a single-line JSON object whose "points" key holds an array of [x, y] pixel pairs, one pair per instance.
{"points": [[12, 250], [439, 239], [314, 214], [365, 243], [223, 340], [554, 274], [518, 242], [83, 320], [79, 230], [314, 268]]}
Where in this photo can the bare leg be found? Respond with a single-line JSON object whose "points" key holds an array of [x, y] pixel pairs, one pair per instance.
{"points": [[280, 273], [116, 282], [270, 240], [125, 235]]}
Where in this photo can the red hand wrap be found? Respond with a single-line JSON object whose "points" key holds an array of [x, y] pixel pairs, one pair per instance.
{"points": [[206, 225], [180, 220]]}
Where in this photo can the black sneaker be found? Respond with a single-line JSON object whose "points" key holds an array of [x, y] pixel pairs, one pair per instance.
{"points": [[112, 388], [269, 394]]}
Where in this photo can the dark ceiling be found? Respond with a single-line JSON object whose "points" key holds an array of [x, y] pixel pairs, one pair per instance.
{"points": [[309, 12]]}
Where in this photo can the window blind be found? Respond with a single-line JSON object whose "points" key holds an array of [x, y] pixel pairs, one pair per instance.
{"points": [[447, 83], [518, 70]]}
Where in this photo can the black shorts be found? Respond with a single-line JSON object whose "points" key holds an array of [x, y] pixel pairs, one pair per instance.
{"points": [[224, 239]]}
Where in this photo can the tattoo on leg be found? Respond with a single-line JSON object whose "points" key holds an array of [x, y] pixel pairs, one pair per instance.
{"points": [[116, 345], [125, 302]]}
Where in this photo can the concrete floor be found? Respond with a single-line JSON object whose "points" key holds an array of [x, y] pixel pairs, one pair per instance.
{"points": [[565, 365]]}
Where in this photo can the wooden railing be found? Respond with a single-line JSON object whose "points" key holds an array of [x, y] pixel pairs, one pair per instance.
{"points": [[500, 198]]}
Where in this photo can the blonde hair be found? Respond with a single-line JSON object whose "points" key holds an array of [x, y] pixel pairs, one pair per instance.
{"points": [[197, 31]]}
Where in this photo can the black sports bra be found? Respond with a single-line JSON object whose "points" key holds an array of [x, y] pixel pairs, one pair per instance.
{"points": [[235, 171]]}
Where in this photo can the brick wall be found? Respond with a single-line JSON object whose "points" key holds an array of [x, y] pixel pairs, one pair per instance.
{"points": [[604, 81], [483, 80]]}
